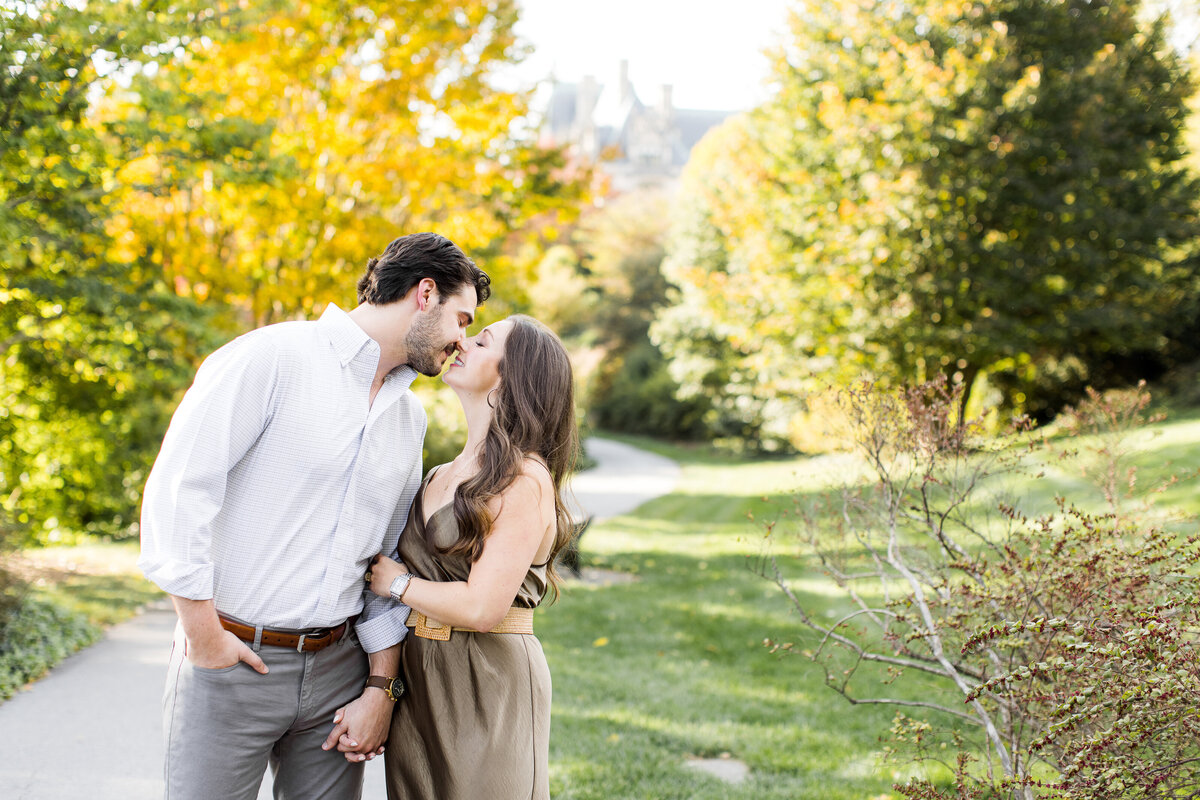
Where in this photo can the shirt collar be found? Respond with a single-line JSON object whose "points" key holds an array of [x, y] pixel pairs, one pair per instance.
{"points": [[348, 341], [402, 376], [343, 333]]}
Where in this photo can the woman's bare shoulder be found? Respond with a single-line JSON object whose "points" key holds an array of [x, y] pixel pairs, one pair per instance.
{"points": [[533, 482], [537, 470]]}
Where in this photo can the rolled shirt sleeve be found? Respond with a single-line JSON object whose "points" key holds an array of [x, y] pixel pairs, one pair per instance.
{"points": [[216, 423], [381, 624]]}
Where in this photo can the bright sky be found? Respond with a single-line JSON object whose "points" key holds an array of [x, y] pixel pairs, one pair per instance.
{"points": [[710, 51]]}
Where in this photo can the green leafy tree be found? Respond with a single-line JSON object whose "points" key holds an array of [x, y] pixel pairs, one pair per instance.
{"points": [[176, 172], [328, 129], [604, 291], [976, 190], [732, 331], [92, 345]]}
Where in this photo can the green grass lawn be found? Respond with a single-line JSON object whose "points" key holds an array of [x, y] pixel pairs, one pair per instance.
{"points": [[651, 673], [99, 581], [671, 666]]}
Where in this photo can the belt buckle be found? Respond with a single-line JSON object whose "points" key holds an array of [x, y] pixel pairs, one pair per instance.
{"points": [[428, 628], [300, 644]]}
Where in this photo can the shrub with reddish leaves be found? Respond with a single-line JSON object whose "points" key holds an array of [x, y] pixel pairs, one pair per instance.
{"points": [[1058, 655]]}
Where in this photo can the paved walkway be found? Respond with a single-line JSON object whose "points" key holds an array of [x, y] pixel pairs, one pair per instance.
{"points": [[623, 478], [91, 728]]}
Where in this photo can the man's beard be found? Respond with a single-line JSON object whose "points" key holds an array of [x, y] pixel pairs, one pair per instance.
{"points": [[421, 343]]}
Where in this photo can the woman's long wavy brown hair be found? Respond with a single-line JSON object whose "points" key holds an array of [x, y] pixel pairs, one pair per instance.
{"points": [[534, 416]]}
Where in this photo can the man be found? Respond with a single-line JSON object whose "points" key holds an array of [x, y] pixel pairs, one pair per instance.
{"points": [[291, 461]]}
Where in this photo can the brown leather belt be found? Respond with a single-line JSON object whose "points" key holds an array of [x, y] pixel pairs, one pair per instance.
{"points": [[309, 641]]}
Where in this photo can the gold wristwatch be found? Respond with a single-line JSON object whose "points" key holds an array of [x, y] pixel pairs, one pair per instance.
{"points": [[394, 687]]}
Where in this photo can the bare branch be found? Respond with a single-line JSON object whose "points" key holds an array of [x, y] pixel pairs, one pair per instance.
{"points": [[889, 701]]}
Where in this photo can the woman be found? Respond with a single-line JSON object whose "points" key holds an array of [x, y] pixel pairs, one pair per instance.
{"points": [[480, 541]]}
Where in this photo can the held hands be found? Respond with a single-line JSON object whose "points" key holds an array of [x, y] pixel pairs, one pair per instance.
{"points": [[382, 572], [361, 727]]}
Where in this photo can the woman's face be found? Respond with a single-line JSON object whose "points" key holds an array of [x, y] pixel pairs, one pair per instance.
{"points": [[476, 370]]}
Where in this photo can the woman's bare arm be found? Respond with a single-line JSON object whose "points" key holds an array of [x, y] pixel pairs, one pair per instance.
{"points": [[523, 524]]}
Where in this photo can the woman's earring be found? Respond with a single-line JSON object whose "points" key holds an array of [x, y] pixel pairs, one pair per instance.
{"points": [[489, 398]]}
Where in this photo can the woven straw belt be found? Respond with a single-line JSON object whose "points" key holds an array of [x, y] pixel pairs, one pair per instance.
{"points": [[517, 620]]}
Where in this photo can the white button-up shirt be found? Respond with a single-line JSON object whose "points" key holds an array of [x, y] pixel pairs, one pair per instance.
{"points": [[278, 480]]}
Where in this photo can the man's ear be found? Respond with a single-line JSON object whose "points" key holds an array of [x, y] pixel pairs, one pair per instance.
{"points": [[426, 293]]}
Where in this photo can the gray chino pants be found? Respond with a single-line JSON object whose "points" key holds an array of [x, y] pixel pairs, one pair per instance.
{"points": [[223, 726]]}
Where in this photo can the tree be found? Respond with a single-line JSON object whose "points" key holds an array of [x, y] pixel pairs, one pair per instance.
{"points": [[92, 345], [174, 173], [977, 190], [370, 119], [308, 136], [603, 291], [732, 333]]}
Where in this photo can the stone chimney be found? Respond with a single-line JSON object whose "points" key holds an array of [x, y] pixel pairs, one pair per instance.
{"points": [[585, 107], [666, 127]]}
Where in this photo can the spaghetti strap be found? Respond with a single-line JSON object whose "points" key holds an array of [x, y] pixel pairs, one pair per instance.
{"points": [[419, 503]]}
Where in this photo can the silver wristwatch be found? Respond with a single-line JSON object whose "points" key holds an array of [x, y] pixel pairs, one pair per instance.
{"points": [[399, 584]]}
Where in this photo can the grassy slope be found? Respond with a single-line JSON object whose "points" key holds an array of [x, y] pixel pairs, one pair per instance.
{"points": [[100, 581], [672, 666]]}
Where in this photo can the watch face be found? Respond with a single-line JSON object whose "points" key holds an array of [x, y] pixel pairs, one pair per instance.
{"points": [[399, 584], [395, 688]]}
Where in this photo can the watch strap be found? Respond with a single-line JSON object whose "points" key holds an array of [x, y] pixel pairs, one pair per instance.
{"points": [[387, 684]]}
